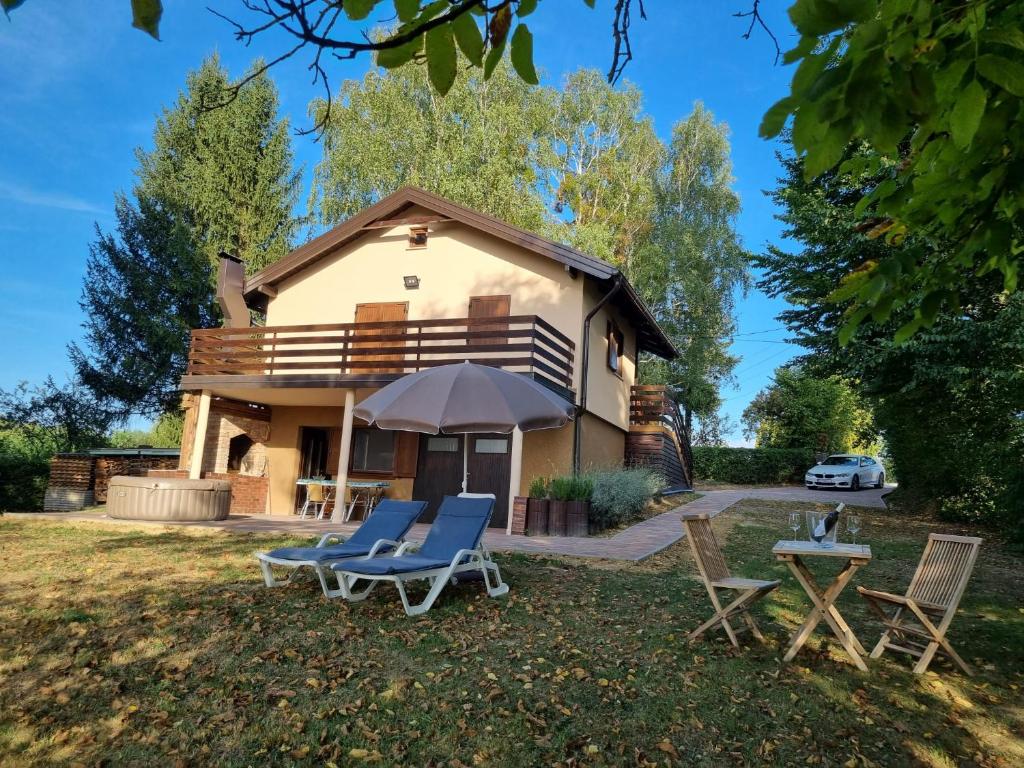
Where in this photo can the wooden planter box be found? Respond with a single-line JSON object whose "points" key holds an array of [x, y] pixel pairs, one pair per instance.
{"points": [[577, 518], [557, 517], [537, 517]]}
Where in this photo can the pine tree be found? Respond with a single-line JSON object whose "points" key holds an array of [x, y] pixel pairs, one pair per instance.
{"points": [[226, 173], [145, 289], [216, 180]]}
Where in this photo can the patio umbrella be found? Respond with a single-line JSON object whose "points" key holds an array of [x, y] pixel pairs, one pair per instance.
{"points": [[464, 398]]}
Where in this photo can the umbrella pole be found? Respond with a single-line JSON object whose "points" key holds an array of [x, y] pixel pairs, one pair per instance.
{"points": [[465, 463]]}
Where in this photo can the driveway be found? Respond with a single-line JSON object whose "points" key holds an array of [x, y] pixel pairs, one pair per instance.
{"points": [[868, 497]]}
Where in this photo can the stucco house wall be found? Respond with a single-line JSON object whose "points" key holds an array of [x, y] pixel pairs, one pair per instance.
{"points": [[458, 262]]}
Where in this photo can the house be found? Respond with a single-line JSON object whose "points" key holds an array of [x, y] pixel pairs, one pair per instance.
{"points": [[411, 282]]}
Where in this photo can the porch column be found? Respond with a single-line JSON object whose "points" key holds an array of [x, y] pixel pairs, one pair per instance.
{"points": [[515, 473], [343, 456], [195, 469]]}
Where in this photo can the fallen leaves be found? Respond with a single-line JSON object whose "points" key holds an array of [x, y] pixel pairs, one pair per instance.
{"points": [[582, 666]]}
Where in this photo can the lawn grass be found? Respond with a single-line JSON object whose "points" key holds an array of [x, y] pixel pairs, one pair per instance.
{"points": [[127, 647]]}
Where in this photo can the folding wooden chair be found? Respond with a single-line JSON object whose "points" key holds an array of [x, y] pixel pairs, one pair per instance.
{"points": [[918, 621], [715, 574]]}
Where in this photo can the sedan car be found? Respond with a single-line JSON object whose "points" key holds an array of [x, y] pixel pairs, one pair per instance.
{"points": [[846, 470]]}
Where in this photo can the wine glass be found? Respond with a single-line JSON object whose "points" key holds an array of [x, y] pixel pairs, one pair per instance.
{"points": [[794, 522], [853, 525]]}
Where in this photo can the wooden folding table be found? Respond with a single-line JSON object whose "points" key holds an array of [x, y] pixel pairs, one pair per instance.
{"points": [[856, 555]]}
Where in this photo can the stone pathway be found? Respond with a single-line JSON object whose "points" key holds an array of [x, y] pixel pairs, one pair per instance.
{"points": [[636, 543]]}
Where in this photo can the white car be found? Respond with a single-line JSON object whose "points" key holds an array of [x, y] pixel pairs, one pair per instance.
{"points": [[846, 470]]}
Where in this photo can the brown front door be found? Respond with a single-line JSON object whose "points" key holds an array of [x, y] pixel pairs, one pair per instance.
{"points": [[383, 312], [490, 470], [438, 471], [490, 306]]}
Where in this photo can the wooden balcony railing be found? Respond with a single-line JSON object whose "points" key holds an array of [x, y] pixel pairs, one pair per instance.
{"points": [[522, 343], [650, 405]]}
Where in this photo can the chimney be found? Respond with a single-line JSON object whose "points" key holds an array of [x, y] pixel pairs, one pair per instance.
{"points": [[230, 280]]}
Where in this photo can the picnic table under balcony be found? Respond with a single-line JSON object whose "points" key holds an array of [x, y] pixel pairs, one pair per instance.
{"points": [[372, 354]]}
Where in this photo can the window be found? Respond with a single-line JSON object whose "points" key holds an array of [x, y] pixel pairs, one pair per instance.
{"points": [[615, 344], [443, 444], [373, 450], [840, 461], [492, 445], [418, 236]]}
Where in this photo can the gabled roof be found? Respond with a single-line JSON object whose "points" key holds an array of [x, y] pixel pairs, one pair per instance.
{"points": [[650, 335]]}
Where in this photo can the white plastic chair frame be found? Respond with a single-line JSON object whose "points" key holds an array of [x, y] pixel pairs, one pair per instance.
{"points": [[321, 567], [464, 561]]}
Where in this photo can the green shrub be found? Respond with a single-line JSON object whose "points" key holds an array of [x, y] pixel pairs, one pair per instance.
{"points": [[978, 504], [560, 488], [581, 488], [621, 495], [22, 482], [24, 467], [761, 466], [570, 488], [539, 488]]}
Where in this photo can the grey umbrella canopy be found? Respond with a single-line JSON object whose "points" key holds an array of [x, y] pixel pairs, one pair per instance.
{"points": [[463, 398]]}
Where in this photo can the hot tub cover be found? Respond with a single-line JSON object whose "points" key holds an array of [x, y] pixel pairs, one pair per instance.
{"points": [[168, 483]]}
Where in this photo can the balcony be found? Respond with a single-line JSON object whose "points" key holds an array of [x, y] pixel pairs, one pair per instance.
{"points": [[375, 353], [658, 437]]}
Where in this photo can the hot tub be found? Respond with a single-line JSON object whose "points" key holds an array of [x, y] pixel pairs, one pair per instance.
{"points": [[171, 498]]}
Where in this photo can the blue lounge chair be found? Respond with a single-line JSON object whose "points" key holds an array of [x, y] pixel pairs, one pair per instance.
{"points": [[381, 532], [452, 547]]}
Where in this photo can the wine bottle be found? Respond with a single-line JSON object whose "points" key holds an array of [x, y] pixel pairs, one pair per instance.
{"points": [[825, 525]]}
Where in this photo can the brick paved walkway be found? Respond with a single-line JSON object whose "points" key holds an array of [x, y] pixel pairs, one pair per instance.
{"points": [[636, 543]]}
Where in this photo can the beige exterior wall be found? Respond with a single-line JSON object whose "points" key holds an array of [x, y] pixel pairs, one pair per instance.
{"points": [[458, 262], [546, 452], [608, 393], [283, 449], [601, 444], [283, 452]]}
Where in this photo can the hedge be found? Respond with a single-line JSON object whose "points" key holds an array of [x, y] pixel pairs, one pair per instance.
{"points": [[761, 466]]}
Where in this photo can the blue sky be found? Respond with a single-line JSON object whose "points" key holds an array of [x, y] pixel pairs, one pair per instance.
{"points": [[79, 90]]}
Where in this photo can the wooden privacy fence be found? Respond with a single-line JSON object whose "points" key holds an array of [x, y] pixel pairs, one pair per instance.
{"points": [[657, 435], [522, 343]]}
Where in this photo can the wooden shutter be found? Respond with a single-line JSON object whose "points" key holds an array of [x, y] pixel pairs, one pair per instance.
{"points": [[395, 311], [490, 306], [407, 446]]}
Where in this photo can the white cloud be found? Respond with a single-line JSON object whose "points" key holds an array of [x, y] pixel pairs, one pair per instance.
{"points": [[27, 196]]}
